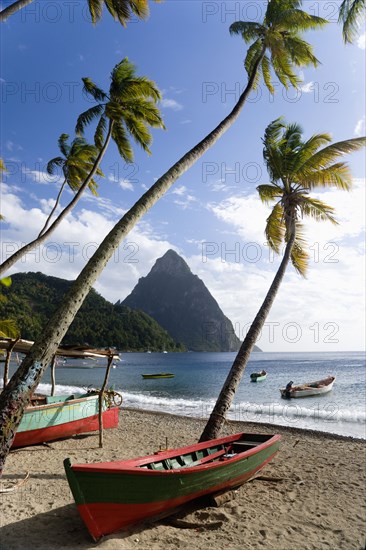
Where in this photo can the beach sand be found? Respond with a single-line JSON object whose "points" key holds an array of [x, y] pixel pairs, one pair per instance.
{"points": [[317, 501]]}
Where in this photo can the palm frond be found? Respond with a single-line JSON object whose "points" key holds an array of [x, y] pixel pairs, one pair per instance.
{"points": [[337, 175], [63, 145], [299, 255], [269, 193], [248, 30], [266, 73], [351, 14], [318, 210], [275, 228], [92, 89], [8, 329], [325, 157], [120, 137], [251, 59], [122, 10], [283, 67], [100, 131], [145, 110], [95, 10], [309, 148], [300, 52], [296, 20], [53, 163], [139, 132], [87, 117], [2, 166]]}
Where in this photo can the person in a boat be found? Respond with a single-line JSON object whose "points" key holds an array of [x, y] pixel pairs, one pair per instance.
{"points": [[289, 389]]}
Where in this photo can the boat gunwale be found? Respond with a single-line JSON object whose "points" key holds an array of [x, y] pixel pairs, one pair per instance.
{"points": [[57, 404], [133, 466]]}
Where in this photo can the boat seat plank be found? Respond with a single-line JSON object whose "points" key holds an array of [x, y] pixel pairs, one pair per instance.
{"points": [[209, 457], [245, 443]]}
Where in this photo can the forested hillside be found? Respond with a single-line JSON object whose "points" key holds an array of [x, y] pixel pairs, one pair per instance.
{"points": [[33, 297]]}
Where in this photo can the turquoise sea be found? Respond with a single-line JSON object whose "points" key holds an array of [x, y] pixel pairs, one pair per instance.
{"points": [[199, 378]]}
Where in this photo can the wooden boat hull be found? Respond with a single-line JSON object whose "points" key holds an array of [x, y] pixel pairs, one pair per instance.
{"points": [[115, 495], [63, 416], [158, 375], [258, 378], [310, 389]]}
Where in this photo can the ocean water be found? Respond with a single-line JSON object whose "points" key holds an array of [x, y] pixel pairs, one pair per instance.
{"points": [[200, 376]]}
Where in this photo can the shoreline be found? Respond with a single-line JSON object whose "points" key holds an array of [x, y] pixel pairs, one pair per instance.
{"points": [[312, 495], [267, 425]]}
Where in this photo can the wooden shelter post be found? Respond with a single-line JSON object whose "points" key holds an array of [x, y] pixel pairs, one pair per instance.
{"points": [[53, 377], [101, 396], [7, 361]]}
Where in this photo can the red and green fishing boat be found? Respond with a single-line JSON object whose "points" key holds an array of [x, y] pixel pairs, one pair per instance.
{"points": [[54, 417], [111, 496]]}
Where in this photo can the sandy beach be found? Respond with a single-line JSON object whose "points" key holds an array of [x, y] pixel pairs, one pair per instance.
{"points": [[312, 495]]}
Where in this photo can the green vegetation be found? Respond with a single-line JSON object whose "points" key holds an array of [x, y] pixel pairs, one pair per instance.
{"points": [[33, 297]]}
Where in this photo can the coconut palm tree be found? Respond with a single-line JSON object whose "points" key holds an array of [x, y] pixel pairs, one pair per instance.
{"points": [[128, 110], [351, 15], [276, 44], [295, 167], [76, 163], [279, 37], [121, 10]]}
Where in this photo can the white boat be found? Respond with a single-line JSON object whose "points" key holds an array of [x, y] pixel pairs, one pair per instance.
{"points": [[318, 387]]}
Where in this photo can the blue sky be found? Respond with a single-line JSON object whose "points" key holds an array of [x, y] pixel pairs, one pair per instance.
{"points": [[212, 215]]}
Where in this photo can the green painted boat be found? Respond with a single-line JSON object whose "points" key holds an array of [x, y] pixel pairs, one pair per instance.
{"points": [[54, 417], [111, 496], [258, 376], [158, 375]]}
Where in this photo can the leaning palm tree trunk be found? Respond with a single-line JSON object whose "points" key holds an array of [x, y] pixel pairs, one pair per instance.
{"points": [[58, 198], [17, 395], [45, 233], [13, 8], [226, 397]]}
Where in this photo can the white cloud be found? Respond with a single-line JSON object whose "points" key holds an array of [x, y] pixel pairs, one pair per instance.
{"points": [[171, 104], [38, 176], [307, 88], [360, 128], [179, 190], [315, 309], [73, 243], [361, 42], [125, 185]]}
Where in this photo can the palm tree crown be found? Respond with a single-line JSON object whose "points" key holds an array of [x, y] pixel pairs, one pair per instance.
{"points": [[295, 168], [276, 42], [77, 162], [128, 110], [121, 10]]}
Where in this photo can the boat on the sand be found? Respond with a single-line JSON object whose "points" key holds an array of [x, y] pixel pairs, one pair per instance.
{"points": [[111, 496], [49, 418]]}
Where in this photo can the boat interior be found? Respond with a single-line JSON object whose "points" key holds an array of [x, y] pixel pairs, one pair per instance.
{"points": [[39, 399], [206, 455]]}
